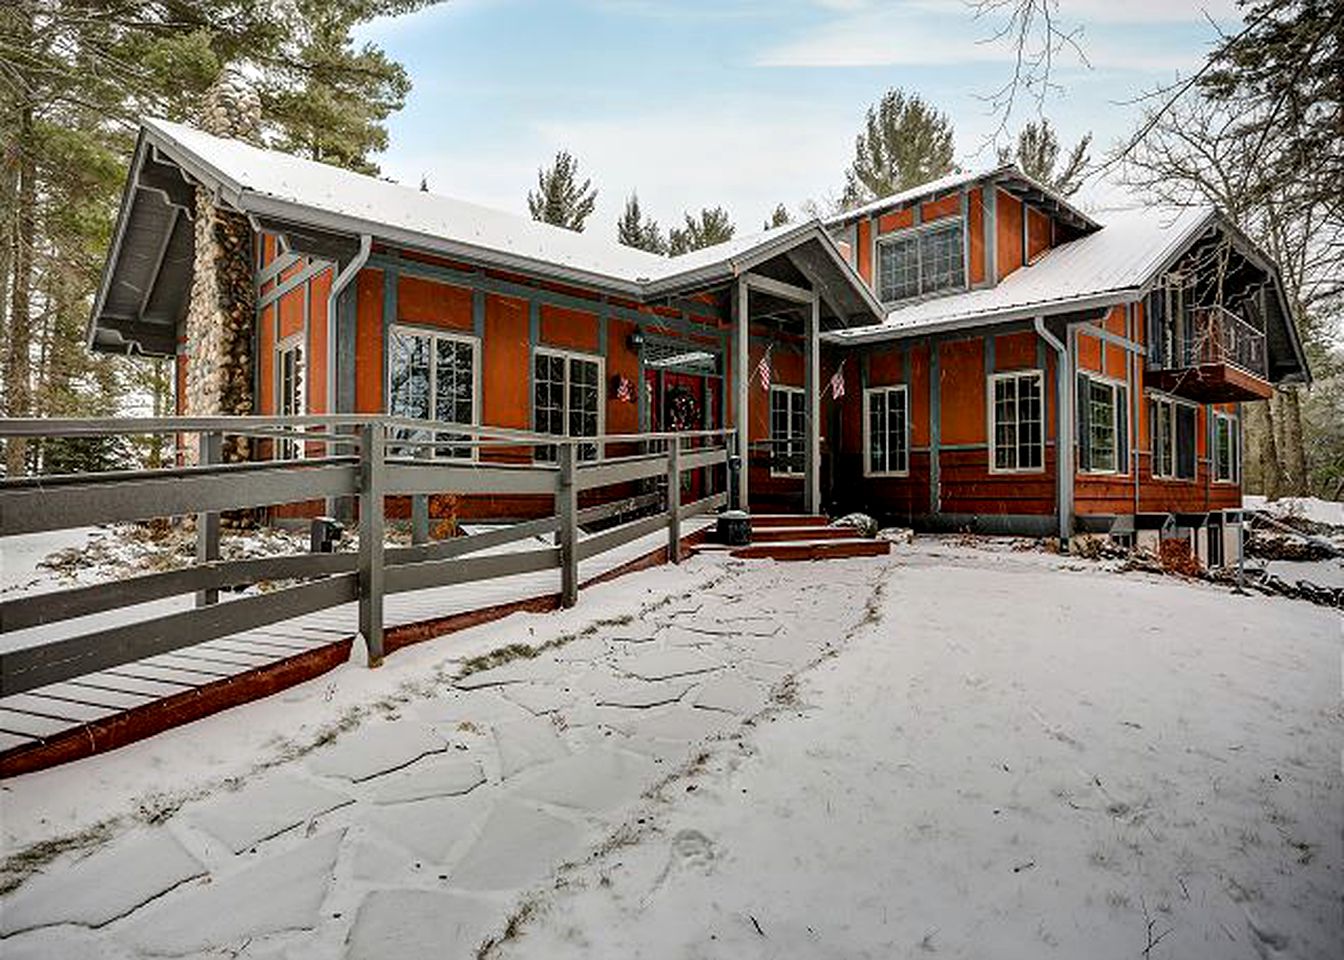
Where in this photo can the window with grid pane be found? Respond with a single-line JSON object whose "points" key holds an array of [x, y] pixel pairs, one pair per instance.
{"points": [[1225, 441], [1172, 429], [1017, 431], [566, 400], [787, 431], [886, 421], [922, 262], [431, 376], [289, 368]]}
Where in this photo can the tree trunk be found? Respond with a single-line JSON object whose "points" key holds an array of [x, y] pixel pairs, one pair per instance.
{"points": [[17, 361], [1260, 430], [1292, 452]]}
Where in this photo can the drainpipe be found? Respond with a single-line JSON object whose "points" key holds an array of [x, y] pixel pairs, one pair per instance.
{"points": [[1064, 431], [338, 285]]}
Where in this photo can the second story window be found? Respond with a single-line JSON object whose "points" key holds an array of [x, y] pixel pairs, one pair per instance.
{"points": [[921, 262]]}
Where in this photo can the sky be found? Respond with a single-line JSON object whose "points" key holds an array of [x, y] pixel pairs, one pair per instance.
{"points": [[742, 103]]}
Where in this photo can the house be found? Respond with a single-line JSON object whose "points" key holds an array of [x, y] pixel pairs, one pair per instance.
{"points": [[918, 358]]}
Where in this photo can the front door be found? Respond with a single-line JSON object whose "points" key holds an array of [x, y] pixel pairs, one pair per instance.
{"points": [[683, 401]]}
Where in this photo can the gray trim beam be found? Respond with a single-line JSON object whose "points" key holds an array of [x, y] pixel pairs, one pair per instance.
{"points": [[441, 573], [409, 477]]}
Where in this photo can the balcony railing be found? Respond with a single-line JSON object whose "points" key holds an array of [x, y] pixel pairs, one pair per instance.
{"points": [[1213, 335]]}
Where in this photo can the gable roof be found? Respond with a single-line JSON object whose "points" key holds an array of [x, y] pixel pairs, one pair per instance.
{"points": [[275, 188], [1008, 177]]}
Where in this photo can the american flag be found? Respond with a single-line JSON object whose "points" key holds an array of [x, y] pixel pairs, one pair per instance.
{"points": [[763, 368], [838, 382]]}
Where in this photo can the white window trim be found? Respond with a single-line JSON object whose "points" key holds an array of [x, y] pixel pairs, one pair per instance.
{"points": [[904, 233], [1121, 470], [424, 330], [798, 391], [601, 361], [1152, 448], [991, 425], [282, 347], [867, 430], [1234, 461]]}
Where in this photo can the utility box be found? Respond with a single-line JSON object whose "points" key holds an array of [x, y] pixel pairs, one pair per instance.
{"points": [[324, 533]]}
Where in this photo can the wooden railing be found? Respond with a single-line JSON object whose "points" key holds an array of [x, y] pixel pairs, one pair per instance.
{"points": [[356, 466]]}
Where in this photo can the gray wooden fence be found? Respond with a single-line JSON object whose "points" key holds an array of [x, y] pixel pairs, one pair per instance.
{"points": [[363, 461]]}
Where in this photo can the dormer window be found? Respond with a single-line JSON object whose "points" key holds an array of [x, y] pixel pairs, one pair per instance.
{"points": [[921, 262]]}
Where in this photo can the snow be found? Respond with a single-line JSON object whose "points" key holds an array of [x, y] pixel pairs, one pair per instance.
{"points": [[1308, 508], [985, 751], [21, 558]]}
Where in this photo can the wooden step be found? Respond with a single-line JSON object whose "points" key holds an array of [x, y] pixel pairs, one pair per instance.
{"points": [[788, 520], [813, 549], [795, 534]]}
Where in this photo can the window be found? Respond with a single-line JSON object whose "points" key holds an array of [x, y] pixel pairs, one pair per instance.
{"points": [[1226, 448], [1172, 429], [787, 420], [886, 437], [1103, 425], [566, 399], [431, 376], [1017, 434], [289, 392], [919, 262]]}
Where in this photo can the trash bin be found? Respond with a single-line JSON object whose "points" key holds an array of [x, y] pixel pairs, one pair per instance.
{"points": [[734, 528]]}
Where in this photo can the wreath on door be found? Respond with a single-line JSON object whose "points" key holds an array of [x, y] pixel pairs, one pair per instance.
{"points": [[683, 413]]}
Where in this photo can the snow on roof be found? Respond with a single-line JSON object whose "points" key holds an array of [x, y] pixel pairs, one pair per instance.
{"points": [[255, 180], [1107, 265], [1007, 173]]}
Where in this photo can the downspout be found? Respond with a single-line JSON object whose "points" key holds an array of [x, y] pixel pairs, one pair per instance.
{"points": [[338, 285], [1064, 430]]}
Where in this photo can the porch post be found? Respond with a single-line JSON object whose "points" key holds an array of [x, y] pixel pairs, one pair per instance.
{"points": [[741, 386], [812, 409]]}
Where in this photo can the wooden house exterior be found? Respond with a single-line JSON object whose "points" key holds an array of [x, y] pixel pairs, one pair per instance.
{"points": [[919, 358]]}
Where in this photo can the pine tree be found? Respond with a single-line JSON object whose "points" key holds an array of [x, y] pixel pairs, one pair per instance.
{"points": [[560, 198], [778, 217], [904, 142], [711, 226], [1036, 153], [634, 229]]}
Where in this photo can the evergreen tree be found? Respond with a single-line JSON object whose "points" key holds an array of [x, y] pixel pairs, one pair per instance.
{"points": [[560, 198], [634, 229], [710, 227], [778, 217], [904, 142], [1036, 153]]}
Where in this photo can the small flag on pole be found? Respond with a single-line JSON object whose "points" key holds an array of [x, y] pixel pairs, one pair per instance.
{"points": [[838, 382], [763, 368]]}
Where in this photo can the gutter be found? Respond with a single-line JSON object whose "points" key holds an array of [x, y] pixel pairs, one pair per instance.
{"points": [[1064, 429]]}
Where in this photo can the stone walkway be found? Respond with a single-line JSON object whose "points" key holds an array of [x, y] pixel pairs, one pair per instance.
{"points": [[419, 834]]}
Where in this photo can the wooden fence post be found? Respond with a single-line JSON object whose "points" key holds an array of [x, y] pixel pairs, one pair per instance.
{"points": [[207, 524], [372, 466], [674, 501], [567, 509], [420, 507]]}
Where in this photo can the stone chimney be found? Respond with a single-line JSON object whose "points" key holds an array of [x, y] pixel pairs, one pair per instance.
{"points": [[222, 305]]}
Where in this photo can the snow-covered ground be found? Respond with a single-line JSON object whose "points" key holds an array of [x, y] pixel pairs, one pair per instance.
{"points": [[954, 750], [1308, 508]]}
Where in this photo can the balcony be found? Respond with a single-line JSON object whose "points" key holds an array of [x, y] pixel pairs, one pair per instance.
{"points": [[1211, 355]]}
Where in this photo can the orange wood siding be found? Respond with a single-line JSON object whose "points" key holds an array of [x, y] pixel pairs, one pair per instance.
{"points": [[962, 391], [896, 220], [569, 329], [432, 303], [317, 342], [1089, 353], [266, 360], [291, 313], [506, 363], [369, 342], [1008, 233], [623, 362], [949, 206], [975, 214], [1015, 351], [1039, 230], [919, 395], [865, 241], [886, 366]]}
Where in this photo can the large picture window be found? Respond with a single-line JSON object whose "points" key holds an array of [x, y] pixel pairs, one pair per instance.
{"points": [[886, 432], [788, 418], [431, 376], [1017, 434], [1103, 425], [289, 371], [922, 261], [1172, 426], [1226, 448], [567, 399]]}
